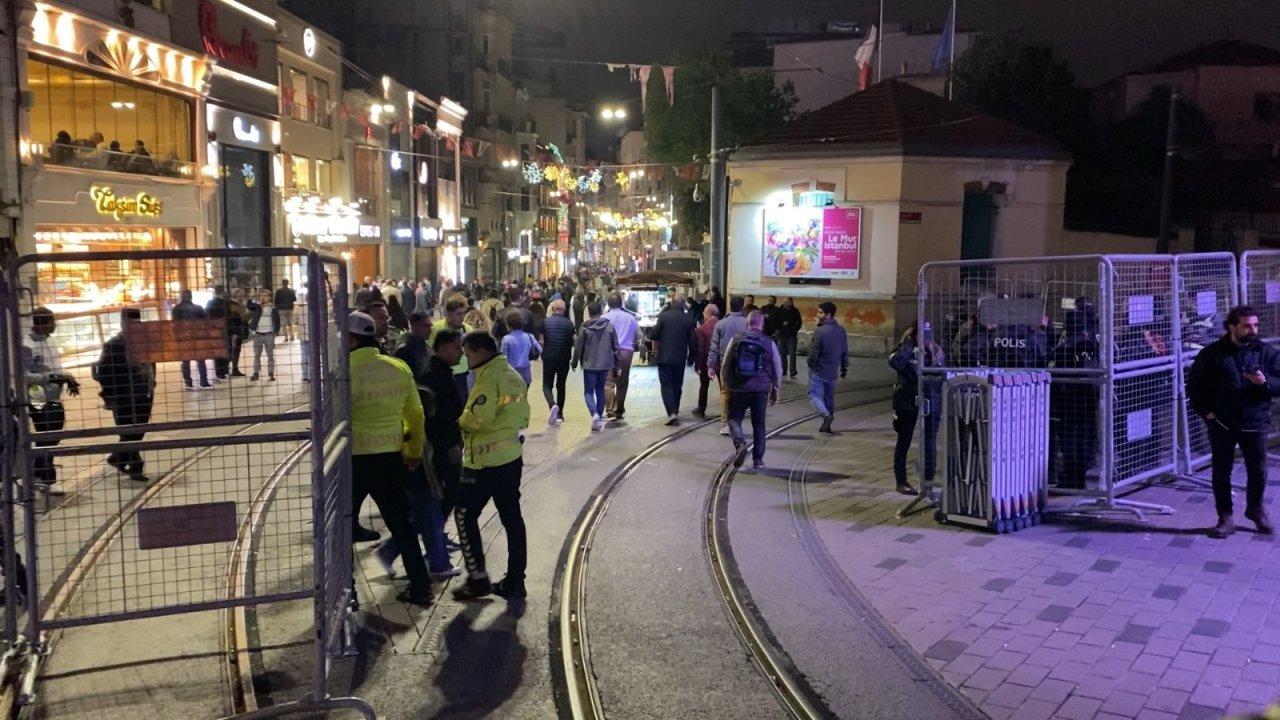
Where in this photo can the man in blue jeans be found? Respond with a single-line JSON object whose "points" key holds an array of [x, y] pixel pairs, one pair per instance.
{"points": [[672, 346], [752, 371], [596, 349], [829, 353]]}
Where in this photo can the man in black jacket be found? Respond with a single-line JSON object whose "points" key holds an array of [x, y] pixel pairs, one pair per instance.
{"points": [[557, 352], [285, 299], [415, 352], [673, 344], [1230, 385], [187, 310], [448, 394], [786, 328], [128, 391]]}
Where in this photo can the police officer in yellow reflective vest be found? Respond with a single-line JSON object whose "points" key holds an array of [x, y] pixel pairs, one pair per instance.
{"points": [[495, 414], [386, 443]]}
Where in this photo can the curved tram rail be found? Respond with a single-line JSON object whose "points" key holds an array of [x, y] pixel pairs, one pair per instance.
{"points": [[573, 633]]}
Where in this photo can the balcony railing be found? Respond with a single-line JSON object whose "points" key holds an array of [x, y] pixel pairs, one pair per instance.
{"points": [[139, 163]]}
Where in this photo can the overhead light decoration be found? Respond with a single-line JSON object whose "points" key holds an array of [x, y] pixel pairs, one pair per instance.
{"points": [[396, 161], [533, 173], [309, 42]]}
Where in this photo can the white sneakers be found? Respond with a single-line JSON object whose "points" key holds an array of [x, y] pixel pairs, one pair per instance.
{"points": [[673, 419], [554, 417], [597, 423], [724, 430]]}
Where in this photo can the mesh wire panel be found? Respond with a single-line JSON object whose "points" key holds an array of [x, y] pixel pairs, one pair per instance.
{"points": [[186, 438], [1207, 290], [1142, 311], [1143, 425], [1037, 313], [1260, 273]]}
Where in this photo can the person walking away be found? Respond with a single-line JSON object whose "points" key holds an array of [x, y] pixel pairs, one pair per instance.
{"points": [[42, 371], [787, 322], [218, 309], [753, 374], [625, 325], [391, 296], [726, 329], [519, 347], [673, 347], [187, 310], [905, 361], [496, 412], [408, 296], [579, 308], [387, 439], [1231, 385], [285, 300], [424, 297], [415, 352], [702, 344], [264, 325], [596, 350], [557, 354], [828, 354], [128, 391]]}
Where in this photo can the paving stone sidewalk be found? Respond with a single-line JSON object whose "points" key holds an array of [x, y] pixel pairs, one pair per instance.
{"points": [[1072, 619]]}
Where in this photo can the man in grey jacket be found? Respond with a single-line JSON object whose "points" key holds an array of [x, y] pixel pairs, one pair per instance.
{"points": [[829, 353], [726, 329], [596, 349]]}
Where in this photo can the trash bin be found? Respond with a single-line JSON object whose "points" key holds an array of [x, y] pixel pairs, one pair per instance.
{"points": [[995, 450]]}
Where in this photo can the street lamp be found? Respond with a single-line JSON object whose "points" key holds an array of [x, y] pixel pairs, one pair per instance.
{"points": [[613, 113]]}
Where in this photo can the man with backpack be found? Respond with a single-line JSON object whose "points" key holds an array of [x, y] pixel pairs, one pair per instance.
{"points": [[725, 331], [752, 372]]}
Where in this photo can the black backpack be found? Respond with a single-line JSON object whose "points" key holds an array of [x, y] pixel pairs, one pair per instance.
{"points": [[751, 358]]}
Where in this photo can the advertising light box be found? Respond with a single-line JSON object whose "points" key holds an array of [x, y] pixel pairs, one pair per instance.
{"points": [[812, 242]]}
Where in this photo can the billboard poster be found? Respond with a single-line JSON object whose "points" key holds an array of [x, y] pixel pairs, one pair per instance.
{"points": [[812, 242]]}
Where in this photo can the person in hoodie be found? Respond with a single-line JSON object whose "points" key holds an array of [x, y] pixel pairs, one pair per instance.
{"points": [[520, 347], [557, 353], [596, 350], [829, 353], [753, 374], [786, 323], [496, 413]]}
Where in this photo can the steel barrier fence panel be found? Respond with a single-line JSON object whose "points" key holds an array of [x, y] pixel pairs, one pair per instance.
{"points": [[193, 412], [1027, 313], [1260, 289], [8, 441], [332, 456], [1207, 290]]}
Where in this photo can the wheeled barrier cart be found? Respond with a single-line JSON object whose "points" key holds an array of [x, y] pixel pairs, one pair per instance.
{"points": [[995, 449]]}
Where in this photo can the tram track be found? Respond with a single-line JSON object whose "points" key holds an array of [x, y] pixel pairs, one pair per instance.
{"points": [[578, 696]]}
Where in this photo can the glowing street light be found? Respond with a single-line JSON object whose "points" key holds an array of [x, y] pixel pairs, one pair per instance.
{"points": [[614, 113]]}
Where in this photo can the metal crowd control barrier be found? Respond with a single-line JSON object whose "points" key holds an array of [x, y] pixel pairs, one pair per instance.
{"points": [[995, 450], [1260, 289], [1207, 290], [190, 485], [1108, 331]]}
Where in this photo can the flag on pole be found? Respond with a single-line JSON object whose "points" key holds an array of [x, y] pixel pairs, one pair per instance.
{"points": [[864, 57], [946, 44]]}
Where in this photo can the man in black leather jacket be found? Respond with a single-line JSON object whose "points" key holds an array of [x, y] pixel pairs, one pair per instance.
{"points": [[1230, 385]]}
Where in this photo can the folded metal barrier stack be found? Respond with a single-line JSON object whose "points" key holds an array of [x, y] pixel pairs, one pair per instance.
{"points": [[995, 449]]}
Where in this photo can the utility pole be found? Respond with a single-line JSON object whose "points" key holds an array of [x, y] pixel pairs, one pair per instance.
{"points": [[719, 244], [880, 46], [1166, 187]]}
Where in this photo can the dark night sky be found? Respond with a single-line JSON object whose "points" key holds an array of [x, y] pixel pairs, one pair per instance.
{"points": [[1100, 38]]}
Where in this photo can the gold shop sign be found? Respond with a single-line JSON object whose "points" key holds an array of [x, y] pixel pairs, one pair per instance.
{"points": [[107, 202]]}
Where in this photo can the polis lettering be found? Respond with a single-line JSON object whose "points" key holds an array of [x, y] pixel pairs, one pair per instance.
{"points": [[106, 202]]}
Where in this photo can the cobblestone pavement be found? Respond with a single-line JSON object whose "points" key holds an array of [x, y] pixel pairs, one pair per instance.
{"points": [[1073, 619]]}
